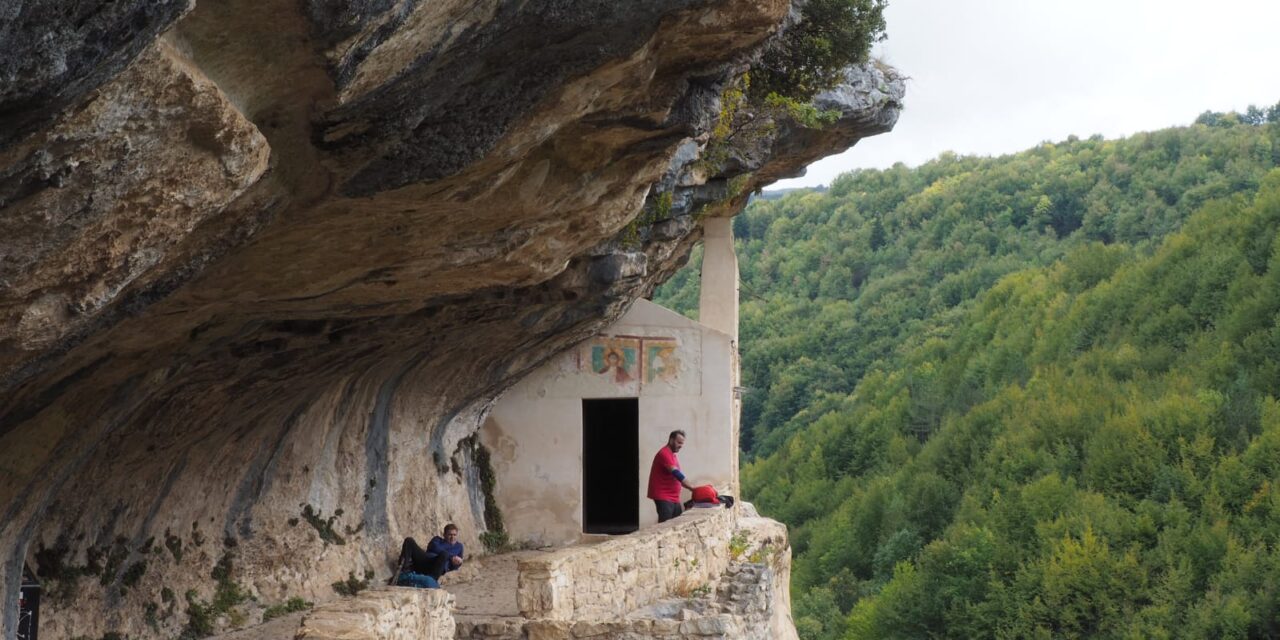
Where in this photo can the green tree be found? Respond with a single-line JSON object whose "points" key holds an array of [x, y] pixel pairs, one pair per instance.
{"points": [[811, 55], [994, 431]]}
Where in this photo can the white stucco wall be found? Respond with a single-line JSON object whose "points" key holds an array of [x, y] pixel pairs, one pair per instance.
{"points": [[681, 373], [718, 295]]}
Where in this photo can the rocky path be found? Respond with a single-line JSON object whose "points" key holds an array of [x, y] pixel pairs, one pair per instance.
{"points": [[281, 628], [490, 589]]}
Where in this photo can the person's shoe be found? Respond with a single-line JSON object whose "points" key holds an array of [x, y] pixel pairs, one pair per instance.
{"points": [[402, 565]]}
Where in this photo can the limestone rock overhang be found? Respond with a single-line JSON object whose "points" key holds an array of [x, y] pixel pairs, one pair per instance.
{"points": [[266, 259]]}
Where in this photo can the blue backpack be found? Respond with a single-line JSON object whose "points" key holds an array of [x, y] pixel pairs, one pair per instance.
{"points": [[411, 579]]}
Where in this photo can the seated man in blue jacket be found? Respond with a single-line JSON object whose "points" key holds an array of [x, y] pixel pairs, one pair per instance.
{"points": [[443, 554]]}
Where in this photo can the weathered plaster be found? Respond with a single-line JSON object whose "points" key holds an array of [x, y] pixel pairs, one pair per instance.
{"points": [[536, 428], [718, 290]]}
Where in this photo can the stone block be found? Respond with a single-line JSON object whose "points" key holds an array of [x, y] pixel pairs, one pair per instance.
{"points": [[593, 629], [665, 627], [383, 614], [549, 630], [705, 626]]}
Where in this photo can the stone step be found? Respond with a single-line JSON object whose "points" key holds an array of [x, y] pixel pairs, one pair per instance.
{"points": [[718, 626]]}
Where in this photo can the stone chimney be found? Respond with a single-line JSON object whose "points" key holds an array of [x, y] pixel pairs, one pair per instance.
{"points": [[718, 300], [718, 309]]}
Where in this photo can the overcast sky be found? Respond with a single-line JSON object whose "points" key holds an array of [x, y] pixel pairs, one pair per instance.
{"points": [[997, 76]]}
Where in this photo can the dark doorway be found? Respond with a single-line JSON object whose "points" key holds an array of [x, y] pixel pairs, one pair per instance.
{"points": [[610, 459]]}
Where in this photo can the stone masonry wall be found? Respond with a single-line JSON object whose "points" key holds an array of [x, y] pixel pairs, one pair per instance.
{"points": [[394, 613], [745, 595], [750, 600], [595, 582]]}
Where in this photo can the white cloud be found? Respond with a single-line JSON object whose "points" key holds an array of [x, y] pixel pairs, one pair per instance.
{"points": [[998, 76]]}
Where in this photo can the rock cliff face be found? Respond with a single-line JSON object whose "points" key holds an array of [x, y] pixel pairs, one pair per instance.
{"points": [[266, 264]]}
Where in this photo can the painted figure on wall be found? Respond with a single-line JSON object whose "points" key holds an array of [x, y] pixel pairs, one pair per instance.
{"points": [[633, 359], [615, 360], [661, 362]]}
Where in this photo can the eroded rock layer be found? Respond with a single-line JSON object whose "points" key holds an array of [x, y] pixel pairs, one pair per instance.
{"points": [[265, 265]]}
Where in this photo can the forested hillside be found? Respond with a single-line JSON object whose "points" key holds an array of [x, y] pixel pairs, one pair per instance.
{"points": [[1025, 396]]}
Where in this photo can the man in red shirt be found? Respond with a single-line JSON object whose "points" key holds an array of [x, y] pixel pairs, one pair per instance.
{"points": [[665, 478]]}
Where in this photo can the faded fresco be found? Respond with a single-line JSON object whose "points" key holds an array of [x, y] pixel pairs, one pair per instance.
{"points": [[661, 361], [626, 360], [616, 358]]}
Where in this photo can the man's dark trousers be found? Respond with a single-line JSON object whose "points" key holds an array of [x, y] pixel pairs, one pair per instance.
{"points": [[424, 562], [667, 510]]}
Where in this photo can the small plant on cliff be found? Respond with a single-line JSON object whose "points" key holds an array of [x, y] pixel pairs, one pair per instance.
{"points": [[285, 608], [658, 209], [803, 113], [352, 585], [761, 554], [662, 206], [174, 545], [323, 526], [61, 577], [227, 592], [738, 185], [151, 616], [116, 556], [495, 541], [227, 595], [352, 531], [93, 558], [747, 118], [733, 120], [687, 588], [170, 601], [738, 545], [133, 574], [199, 618]]}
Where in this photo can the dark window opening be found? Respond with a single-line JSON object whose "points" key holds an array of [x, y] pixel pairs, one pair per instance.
{"points": [[610, 459]]}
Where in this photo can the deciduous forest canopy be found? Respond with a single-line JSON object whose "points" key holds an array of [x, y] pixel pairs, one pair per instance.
{"points": [[1026, 396]]}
